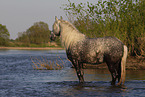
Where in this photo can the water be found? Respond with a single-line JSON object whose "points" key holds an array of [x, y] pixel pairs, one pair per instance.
{"points": [[19, 79]]}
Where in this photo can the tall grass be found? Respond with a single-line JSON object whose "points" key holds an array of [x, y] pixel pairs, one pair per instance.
{"points": [[44, 63]]}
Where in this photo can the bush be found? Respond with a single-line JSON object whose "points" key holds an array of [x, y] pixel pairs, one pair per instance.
{"points": [[123, 19]]}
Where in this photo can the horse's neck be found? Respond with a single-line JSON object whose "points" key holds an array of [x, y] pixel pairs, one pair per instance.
{"points": [[68, 28], [70, 35]]}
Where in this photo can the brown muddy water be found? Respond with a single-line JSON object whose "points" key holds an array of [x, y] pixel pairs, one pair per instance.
{"points": [[19, 79]]}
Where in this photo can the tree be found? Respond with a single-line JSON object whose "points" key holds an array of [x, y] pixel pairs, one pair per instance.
{"points": [[36, 34], [4, 35], [123, 19]]}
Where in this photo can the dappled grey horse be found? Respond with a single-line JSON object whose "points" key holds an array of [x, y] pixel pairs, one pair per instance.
{"points": [[81, 49]]}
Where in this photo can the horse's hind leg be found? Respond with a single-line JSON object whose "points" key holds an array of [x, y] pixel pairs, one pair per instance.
{"points": [[113, 72], [118, 68], [79, 70]]}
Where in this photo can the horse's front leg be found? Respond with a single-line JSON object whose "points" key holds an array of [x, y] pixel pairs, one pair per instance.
{"points": [[79, 70], [80, 73]]}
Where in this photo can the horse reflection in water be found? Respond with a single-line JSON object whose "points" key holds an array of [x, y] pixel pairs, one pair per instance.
{"points": [[81, 49]]}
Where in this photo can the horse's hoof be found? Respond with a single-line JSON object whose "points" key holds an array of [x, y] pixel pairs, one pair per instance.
{"points": [[113, 83], [81, 82]]}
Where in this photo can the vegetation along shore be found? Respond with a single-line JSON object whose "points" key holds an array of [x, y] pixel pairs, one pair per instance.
{"points": [[123, 19], [32, 48]]}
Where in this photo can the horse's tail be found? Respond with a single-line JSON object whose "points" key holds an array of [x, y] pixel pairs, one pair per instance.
{"points": [[123, 64]]}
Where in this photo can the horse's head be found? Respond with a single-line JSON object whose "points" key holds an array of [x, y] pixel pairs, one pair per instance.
{"points": [[56, 27], [52, 36]]}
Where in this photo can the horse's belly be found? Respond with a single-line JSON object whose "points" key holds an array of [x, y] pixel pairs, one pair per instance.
{"points": [[94, 59]]}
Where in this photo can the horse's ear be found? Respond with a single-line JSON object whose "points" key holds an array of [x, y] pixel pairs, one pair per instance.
{"points": [[61, 18], [56, 19]]}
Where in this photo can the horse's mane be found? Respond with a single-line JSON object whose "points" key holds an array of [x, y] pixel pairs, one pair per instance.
{"points": [[70, 25], [72, 36]]}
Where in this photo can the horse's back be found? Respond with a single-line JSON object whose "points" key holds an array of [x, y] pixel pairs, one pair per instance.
{"points": [[97, 49], [103, 44], [94, 50]]}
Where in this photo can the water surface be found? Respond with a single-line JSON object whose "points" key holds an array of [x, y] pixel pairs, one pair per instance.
{"points": [[19, 79]]}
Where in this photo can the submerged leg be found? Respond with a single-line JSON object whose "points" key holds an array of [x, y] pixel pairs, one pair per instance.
{"points": [[79, 70]]}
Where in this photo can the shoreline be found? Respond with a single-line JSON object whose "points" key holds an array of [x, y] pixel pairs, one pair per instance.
{"points": [[133, 63], [31, 48]]}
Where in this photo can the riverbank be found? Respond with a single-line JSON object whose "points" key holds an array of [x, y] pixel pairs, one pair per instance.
{"points": [[32, 48], [132, 63]]}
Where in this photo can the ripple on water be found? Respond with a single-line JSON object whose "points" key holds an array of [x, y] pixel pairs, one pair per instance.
{"points": [[18, 79]]}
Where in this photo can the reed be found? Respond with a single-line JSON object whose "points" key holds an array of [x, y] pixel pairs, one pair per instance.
{"points": [[45, 64]]}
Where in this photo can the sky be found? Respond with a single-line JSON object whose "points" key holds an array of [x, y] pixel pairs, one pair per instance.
{"points": [[19, 15]]}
